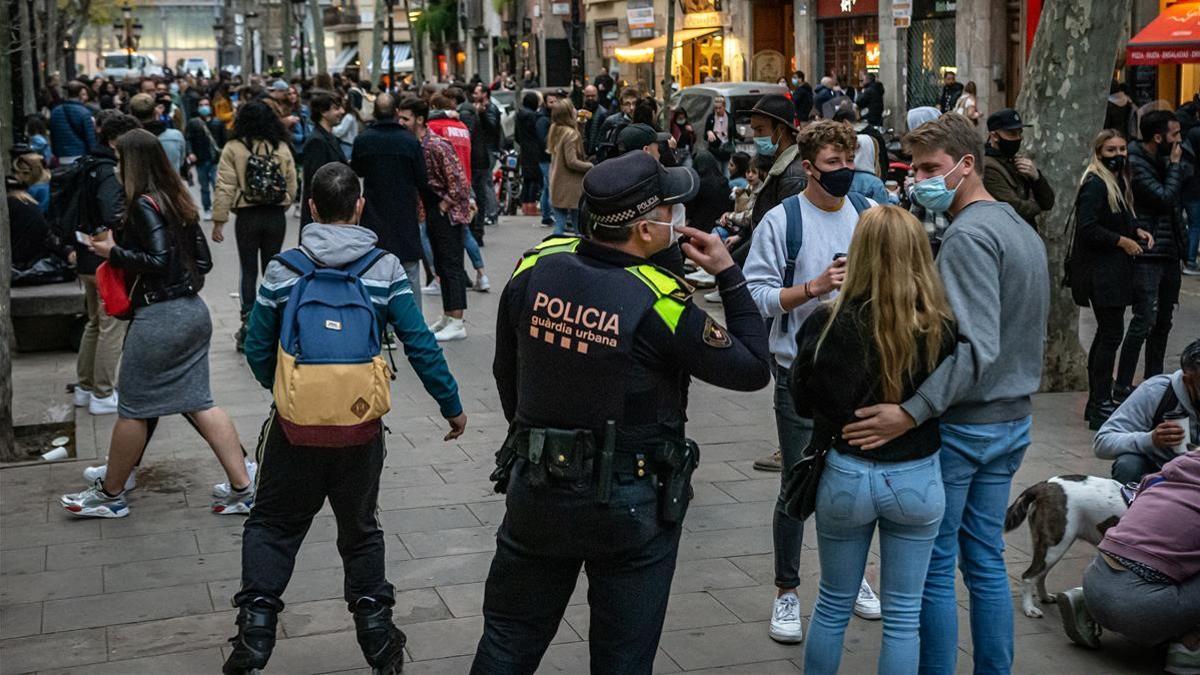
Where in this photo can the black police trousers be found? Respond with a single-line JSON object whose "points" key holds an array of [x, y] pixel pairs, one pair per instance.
{"points": [[293, 483], [550, 531]]}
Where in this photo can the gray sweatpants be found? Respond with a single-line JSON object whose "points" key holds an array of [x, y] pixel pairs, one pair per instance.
{"points": [[1144, 612]]}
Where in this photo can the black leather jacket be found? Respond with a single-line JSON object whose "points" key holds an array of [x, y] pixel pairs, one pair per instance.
{"points": [[150, 253]]}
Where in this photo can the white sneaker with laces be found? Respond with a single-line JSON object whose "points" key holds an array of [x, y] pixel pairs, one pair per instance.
{"points": [[867, 604], [92, 474], [482, 284], [453, 329], [222, 490], [714, 296], [439, 324], [785, 619], [82, 396], [434, 288], [103, 406], [208, 215], [701, 279], [93, 503]]}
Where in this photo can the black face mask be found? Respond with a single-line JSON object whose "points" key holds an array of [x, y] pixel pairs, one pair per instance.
{"points": [[591, 105], [1008, 148], [1115, 164], [837, 183]]}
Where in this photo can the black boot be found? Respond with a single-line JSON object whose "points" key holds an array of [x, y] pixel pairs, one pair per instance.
{"points": [[381, 642], [254, 640]]}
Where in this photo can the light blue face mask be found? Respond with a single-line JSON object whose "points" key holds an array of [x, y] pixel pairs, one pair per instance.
{"points": [[933, 194], [766, 145]]}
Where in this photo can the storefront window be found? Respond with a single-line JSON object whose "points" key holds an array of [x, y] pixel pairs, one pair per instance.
{"points": [[930, 55]]}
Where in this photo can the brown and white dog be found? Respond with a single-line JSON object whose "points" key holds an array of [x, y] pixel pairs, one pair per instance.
{"points": [[1061, 509]]}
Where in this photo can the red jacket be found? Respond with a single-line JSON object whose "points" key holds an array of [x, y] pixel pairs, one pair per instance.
{"points": [[459, 136]]}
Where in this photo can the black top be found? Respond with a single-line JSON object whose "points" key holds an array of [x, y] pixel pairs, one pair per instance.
{"points": [[792, 181], [1102, 273], [157, 266], [31, 237], [389, 159], [322, 148], [829, 385], [526, 134], [1157, 188], [103, 207], [802, 97], [206, 147], [870, 101], [949, 96]]}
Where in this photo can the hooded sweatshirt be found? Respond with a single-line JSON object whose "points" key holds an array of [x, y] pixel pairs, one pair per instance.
{"points": [[391, 293], [1128, 429]]}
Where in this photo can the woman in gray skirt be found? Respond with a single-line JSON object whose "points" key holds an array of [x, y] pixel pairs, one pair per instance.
{"points": [[164, 362]]}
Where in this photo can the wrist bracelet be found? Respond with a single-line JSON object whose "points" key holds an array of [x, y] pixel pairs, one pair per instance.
{"points": [[807, 293]]}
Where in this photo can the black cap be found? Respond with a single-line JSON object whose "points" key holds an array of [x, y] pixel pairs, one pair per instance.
{"points": [[638, 136], [778, 107], [621, 189], [1006, 119]]}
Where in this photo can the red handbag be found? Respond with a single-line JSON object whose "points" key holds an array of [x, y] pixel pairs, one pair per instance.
{"points": [[114, 298]]}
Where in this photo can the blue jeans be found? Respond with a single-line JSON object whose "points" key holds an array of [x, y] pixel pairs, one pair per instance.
{"points": [[978, 463], [545, 167], [564, 218], [906, 500], [206, 173], [794, 433], [1193, 215]]}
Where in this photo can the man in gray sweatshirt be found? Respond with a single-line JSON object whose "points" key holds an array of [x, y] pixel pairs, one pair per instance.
{"points": [[994, 269], [1157, 419]]}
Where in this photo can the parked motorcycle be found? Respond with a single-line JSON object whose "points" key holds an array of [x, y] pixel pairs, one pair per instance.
{"points": [[507, 178]]}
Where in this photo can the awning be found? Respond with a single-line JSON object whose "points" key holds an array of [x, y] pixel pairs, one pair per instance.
{"points": [[402, 53], [1173, 37], [344, 58], [643, 52]]}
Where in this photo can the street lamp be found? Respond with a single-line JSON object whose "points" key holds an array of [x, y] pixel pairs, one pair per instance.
{"points": [[129, 32], [299, 10], [252, 34], [218, 29], [391, 48]]}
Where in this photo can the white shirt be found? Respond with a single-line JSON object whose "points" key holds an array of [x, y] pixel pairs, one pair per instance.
{"points": [[824, 234]]}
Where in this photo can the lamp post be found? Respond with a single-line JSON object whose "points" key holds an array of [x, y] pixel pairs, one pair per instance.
{"points": [[129, 32], [252, 35], [299, 9], [391, 45], [218, 29]]}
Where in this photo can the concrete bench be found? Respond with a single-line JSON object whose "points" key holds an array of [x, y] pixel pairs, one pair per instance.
{"points": [[48, 317]]}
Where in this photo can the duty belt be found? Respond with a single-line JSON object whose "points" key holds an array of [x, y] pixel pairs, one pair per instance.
{"points": [[574, 454]]}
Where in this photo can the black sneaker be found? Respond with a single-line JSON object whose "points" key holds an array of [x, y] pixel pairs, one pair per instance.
{"points": [[1121, 392], [1098, 413], [381, 642], [255, 639]]}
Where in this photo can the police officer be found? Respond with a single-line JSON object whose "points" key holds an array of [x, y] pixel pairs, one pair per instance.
{"points": [[594, 348]]}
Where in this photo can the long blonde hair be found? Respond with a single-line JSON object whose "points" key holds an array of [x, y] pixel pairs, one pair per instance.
{"points": [[1116, 196], [563, 119], [890, 272]]}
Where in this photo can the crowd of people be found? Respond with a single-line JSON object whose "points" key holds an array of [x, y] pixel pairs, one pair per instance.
{"points": [[904, 334]]}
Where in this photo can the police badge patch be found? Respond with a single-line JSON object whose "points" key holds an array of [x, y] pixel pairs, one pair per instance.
{"points": [[715, 335]]}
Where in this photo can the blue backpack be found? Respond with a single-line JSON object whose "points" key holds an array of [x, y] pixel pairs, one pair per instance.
{"points": [[331, 384], [795, 238]]}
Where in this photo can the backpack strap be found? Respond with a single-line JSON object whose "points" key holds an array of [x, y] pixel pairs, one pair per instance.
{"points": [[297, 261], [794, 240], [858, 201], [367, 261], [1168, 402]]}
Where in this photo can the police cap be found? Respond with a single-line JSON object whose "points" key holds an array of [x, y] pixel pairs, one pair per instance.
{"points": [[620, 190]]}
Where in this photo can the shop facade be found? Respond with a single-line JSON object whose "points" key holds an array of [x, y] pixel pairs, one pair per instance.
{"points": [[847, 39], [1162, 59]]}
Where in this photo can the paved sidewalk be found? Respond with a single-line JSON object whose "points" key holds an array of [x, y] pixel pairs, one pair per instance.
{"points": [[150, 593]]}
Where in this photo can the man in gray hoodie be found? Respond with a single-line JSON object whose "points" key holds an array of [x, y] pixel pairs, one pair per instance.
{"points": [[994, 269], [1149, 427]]}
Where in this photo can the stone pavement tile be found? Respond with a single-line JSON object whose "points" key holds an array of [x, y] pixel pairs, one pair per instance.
{"points": [[1054, 653], [574, 658], [763, 668], [459, 637], [23, 560], [754, 603], [409, 476], [401, 454], [463, 599], [706, 575], [198, 662], [55, 650], [331, 616], [727, 516], [172, 520], [455, 665], [709, 472], [129, 607], [171, 571], [735, 450], [49, 585], [429, 572], [426, 519], [746, 491], [685, 610], [723, 646], [324, 653], [33, 511], [704, 494], [488, 513], [450, 542], [466, 472], [165, 636], [436, 495], [124, 549], [725, 543], [61, 529], [304, 586], [20, 620]]}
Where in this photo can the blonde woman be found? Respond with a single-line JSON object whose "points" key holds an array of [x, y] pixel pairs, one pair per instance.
{"points": [[968, 104], [1105, 245], [567, 165], [876, 343]]}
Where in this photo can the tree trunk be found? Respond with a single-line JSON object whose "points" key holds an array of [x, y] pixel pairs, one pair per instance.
{"points": [[669, 73], [380, 25], [54, 51], [289, 67], [1062, 96], [8, 446], [25, 34], [318, 36]]}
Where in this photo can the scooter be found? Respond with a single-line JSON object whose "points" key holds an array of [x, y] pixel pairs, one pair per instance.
{"points": [[507, 178]]}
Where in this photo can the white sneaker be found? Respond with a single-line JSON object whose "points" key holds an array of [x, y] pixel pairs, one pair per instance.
{"points": [[103, 406], [92, 474], [208, 214], [222, 490], [714, 296], [785, 619], [482, 284], [82, 396], [434, 288], [439, 324], [867, 604], [701, 279], [1181, 660], [454, 329]]}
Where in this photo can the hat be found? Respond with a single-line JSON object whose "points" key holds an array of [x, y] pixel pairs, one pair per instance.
{"points": [[778, 107], [634, 184], [1006, 119], [279, 85], [141, 106], [638, 136]]}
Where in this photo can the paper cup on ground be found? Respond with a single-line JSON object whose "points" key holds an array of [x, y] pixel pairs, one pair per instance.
{"points": [[57, 453]]}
